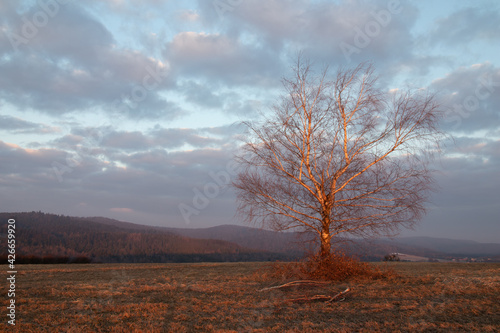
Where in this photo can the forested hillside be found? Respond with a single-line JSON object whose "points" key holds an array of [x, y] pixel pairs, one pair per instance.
{"points": [[48, 235], [48, 238]]}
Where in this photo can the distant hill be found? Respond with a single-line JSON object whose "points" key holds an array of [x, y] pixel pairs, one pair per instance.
{"points": [[265, 240], [107, 240]]}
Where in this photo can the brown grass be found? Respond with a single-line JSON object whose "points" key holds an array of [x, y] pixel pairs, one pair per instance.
{"points": [[424, 297], [335, 267]]}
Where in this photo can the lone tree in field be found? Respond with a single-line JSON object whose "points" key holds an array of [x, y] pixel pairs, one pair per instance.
{"points": [[337, 156]]}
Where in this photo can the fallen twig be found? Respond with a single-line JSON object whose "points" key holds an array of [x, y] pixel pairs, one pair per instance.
{"points": [[316, 298], [295, 283], [334, 298]]}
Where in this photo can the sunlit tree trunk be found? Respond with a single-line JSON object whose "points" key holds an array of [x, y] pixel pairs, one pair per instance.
{"points": [[325, 244]]}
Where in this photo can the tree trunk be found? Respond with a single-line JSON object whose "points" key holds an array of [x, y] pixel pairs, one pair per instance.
{"points": [[325, 244]]}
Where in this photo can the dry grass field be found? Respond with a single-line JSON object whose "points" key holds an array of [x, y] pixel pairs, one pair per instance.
{"points": [[225, 297]]}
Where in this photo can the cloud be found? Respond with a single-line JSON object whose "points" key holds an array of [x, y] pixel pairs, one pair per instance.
{"points": [[467, 25], [466, 204], [203, 95], [72, 63], [126, 140], [27, 167], [221, 58], [177, 137], [18, 125], [157, 137], [139, 148], [467, 176], [337, 33], [483, 152], [468, 190], [470, 96], [150, 183], [189, 15]]}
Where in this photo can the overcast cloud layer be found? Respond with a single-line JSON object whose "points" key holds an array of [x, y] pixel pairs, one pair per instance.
{"points": [[132, 109]]}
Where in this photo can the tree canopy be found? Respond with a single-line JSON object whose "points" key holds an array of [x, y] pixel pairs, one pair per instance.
{"points": [[337, 155]]}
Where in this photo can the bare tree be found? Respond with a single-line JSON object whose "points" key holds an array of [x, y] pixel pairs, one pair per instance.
{"points": [[337, 156]]}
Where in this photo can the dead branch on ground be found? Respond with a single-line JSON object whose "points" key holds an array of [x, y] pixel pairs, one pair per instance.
{"points": [[324, 298], [315, 298], [295, 284]]}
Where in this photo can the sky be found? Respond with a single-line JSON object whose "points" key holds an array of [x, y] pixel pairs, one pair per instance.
{"points": [[132, 109]]}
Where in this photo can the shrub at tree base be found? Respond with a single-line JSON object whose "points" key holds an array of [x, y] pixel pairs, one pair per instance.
{"points": [[335, 267]]}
